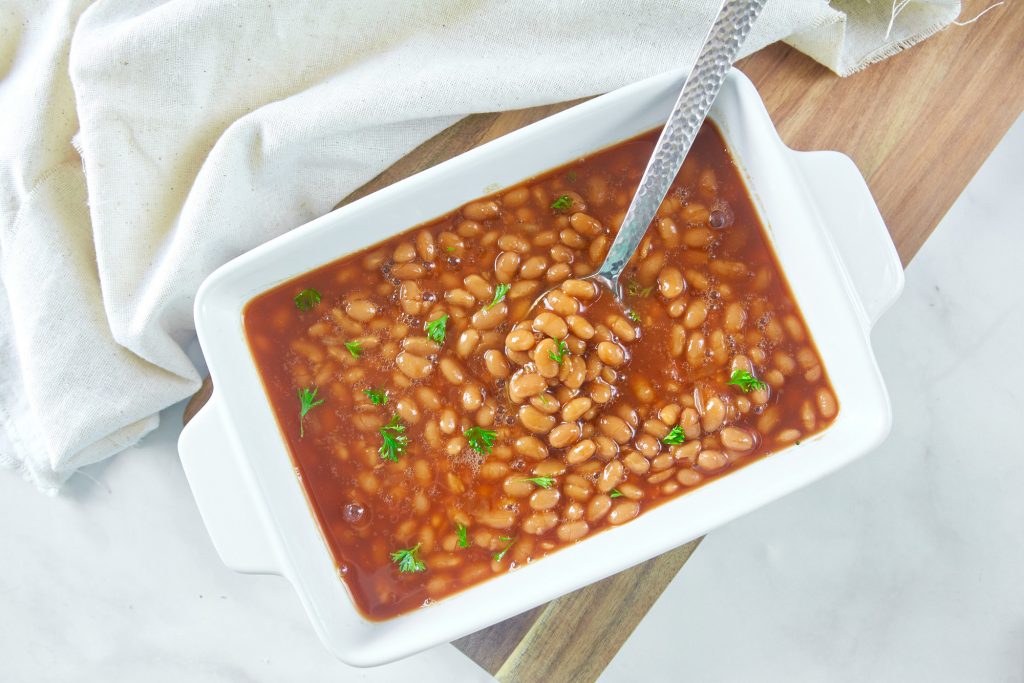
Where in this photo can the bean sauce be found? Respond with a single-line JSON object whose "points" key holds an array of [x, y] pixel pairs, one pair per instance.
{"points": [[444, 435]]}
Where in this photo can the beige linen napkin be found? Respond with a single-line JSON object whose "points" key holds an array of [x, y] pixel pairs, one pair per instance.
{"points": [[144, 143]]}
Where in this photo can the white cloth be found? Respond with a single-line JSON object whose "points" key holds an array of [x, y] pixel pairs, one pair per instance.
{"points": [[144, 143]]}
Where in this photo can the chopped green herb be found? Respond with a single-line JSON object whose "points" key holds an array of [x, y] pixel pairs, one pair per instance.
{"points": [[501, 554], [407, 561], [746, 382], [562, 203], [675, 436], [544, 398], [395, 441], [355, 348], [307, 401], [499, 295], [615, 493], [633, 288], [460, 529], [307, 299], [560, 352], [480, 440], [633, 315], [377, 398], [436, 329], [797, 442], [449, 249], [543, 482]]}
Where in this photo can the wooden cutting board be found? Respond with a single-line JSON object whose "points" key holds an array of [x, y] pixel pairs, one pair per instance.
{"points": [[918, 125]]}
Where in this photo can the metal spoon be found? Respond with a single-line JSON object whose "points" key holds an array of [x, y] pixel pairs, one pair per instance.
{"points": [[702, 85]]}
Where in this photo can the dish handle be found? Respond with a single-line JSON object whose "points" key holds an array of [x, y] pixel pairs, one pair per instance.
{"points": [[852, 219], [223, 488]]}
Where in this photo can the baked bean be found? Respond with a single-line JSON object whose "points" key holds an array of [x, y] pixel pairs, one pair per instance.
{"points": [[572, 531], [636, 463], [531, 447], [471, 397], [489, 317], [696, 314], [533, 268], [648, 445], [623, 511], [535, 421], [826, 404], [550, 325], [572, 239], [580, 327], [711, 460], [581, 289], [540, 522], [413, 366], [688, 477], [581, 452], [524, 385], [564, 435], [611, 476], [481, 211], [549, 468], [737, 439], [670, 282], [586, 225], [361, 310], [561, 303], [517, 486], [615, 428], [611, 354], [506, 265], [496, 519], [686, 451], [452, 371], [467, 342], [577, 487], [544, 357], [623, 329], [575, 408], [788, 436], [600, 392], [544, 499]]}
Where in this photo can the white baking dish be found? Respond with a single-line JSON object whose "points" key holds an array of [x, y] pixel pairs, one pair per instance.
{"points": [[831, 243]]}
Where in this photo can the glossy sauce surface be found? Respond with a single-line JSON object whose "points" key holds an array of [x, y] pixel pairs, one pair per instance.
{"points": [[595, 413]]}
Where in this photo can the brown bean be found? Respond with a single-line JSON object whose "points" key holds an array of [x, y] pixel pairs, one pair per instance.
{"points": [[545, 356], [827, 405], [611, 476], [670, 282], [535, 421], [636, 463], [712, 414], [550, 325], [623, 511], [688, 477], [737, 439], [480, 211], [615, 428], [467, 343], [520, 340], [696, 314], [598, 507], [452, 371], [544, 499], [496, 519], [531, 447], [611, 354], [540, 522], [533, 268], [574, 409], [580, 327], [524, 385], [361, 310], [711, 460], [581, 452], [496, 364], [564, 435], [572, 531], [413, 366], [489, 317]]}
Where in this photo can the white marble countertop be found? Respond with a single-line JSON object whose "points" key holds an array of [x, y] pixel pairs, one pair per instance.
{"points": [[904, 566]]}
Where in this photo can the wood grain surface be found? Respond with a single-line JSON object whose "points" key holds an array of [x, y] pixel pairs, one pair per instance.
{"points": [[918, 125]]}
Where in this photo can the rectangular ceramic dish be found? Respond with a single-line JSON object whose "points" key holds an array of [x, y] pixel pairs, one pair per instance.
{"points": [[830, 241]]}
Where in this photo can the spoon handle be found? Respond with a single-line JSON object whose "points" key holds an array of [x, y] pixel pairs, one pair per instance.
{"points": [[702, 85]]}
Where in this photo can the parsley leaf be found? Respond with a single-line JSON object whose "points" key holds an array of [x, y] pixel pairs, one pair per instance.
{"points": [[633, 288], [407, 561], [560, 352], [499, 295], [307, 401], [745, 381], [633, 315], [463, 539], [562, 203], [615, 493], [543, 482], [436, 329], [377, 398], [480, 440], [675, 436], [355, 348], [395, 441], [307, 299], [501, 554]]}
